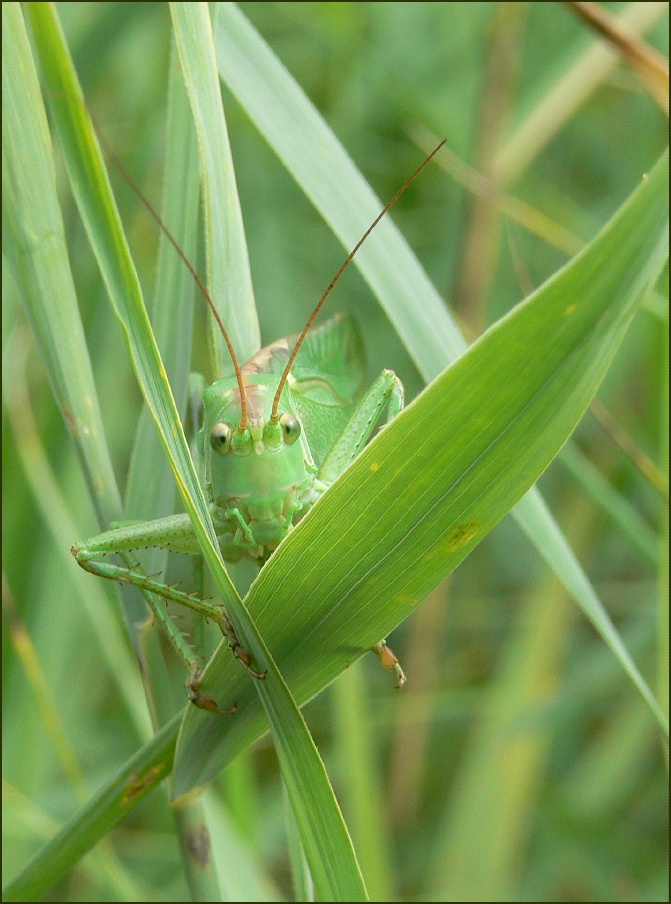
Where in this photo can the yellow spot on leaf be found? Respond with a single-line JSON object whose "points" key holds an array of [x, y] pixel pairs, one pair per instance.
{"points": [[569, 310], [462, 535], [375, 466], [138, 783]]}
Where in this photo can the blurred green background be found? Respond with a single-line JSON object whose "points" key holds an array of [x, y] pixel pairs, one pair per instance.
{"points": [[519, 764]]}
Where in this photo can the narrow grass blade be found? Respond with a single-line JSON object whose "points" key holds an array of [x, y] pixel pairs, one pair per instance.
{"points": [[363, 799], [34, 241], [36, 822], [106, 624], [241, 873], [53, 311], [130, 785], [630, 522], [318, 162], [150, 491], [229, 277], [300, 872]]}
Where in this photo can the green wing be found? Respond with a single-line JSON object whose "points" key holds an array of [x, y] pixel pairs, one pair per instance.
{"points": [[326, 380]]}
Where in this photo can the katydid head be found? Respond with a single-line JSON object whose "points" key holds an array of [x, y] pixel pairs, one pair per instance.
{"points": [[261, 433], [260, 470], [258, 433]]}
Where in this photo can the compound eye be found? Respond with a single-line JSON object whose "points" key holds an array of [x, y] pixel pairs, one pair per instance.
{"points": [[291, 429], [220, 438]]}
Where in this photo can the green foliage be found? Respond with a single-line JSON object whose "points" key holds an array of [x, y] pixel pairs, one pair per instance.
{"points": [[520, 762]]}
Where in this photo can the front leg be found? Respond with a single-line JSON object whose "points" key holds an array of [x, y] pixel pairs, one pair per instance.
{"points": [[386, 390], [176, 534], [243, 538]]}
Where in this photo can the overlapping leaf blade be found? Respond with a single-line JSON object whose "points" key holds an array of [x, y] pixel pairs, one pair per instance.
{"points": [[324, 835], [321, 166], [439, 477]]}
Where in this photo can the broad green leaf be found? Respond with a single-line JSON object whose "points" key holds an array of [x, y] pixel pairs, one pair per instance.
{"points": [[436, 480], [316, 159]]}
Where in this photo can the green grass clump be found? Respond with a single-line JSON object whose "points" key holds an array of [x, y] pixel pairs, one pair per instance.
{"points": [[525, 759]]}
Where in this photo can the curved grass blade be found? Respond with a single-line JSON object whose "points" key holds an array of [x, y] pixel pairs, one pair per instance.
{"points": [[437, 479], [150, 765], [34, 241], [150, 487], [323, 832]]}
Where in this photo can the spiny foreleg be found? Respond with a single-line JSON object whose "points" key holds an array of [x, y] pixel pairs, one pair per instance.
{"points": [[387, 391], [176, 534]]}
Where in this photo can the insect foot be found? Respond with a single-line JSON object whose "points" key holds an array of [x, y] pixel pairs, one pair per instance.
{"points": [[389, 661], [207, 703], [243, 656]]}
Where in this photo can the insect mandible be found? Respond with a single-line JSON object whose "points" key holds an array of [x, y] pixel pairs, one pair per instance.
{"points": [[273, 439]]}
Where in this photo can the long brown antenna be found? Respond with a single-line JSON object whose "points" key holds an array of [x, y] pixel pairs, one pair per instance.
{"points": [[292, 358], [238, 373]]}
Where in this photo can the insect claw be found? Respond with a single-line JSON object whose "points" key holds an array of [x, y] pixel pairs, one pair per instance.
{"points": [[210, 705], [402, 680], [244, 657], [206, 703], [389, 661]]}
